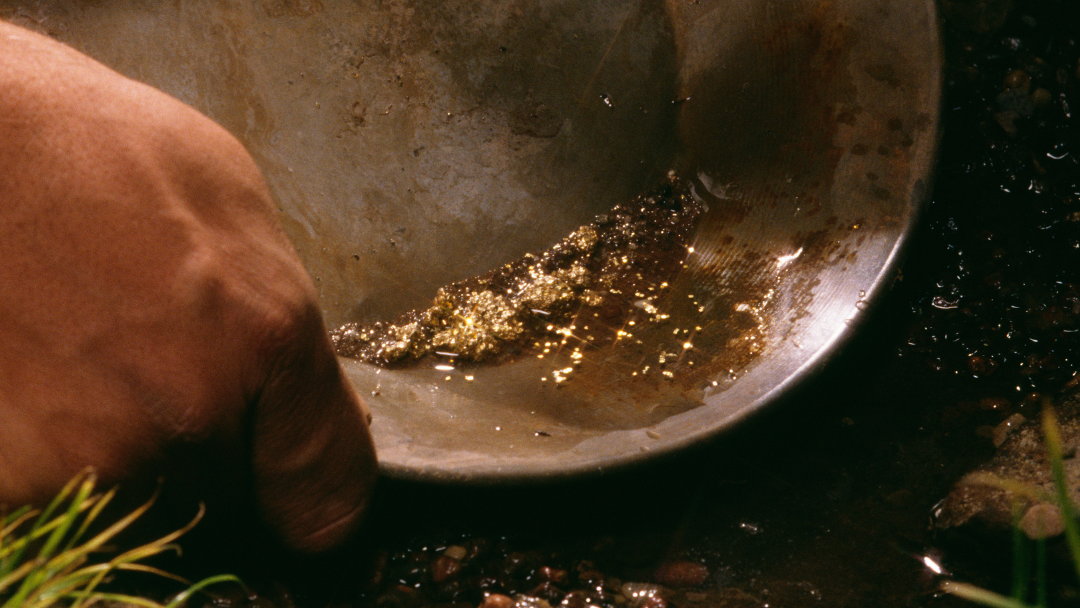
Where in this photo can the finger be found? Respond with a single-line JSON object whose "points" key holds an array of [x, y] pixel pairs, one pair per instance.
{"points": [[314, 460]]}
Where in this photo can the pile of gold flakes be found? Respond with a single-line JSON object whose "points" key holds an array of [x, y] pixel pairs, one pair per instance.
{"points": [[608, 272]]}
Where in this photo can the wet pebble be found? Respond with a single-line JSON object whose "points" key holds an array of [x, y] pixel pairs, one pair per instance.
{"points": [[681, 574], [555, 576], [1042, 521], [445, 568], [1042, 97], [497, 600], [456, 552], [642, 595], [529, 601], [576, 599], [1019, 80], [1006, 428], [549, 592]]}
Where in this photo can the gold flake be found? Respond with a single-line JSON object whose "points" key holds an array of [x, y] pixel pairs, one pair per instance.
{"points": [[627, 251]]}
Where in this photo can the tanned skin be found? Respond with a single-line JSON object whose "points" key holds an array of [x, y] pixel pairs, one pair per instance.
{"points": [[154, 319]]}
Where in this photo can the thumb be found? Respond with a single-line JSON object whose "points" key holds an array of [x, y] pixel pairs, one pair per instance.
{"points": [[313, 458]]}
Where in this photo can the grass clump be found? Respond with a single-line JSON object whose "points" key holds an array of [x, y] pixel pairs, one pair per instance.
{"points": [[1021, 588], [55, 557]]}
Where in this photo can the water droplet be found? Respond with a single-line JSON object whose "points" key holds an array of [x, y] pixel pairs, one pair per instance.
{"points": [[750, 528], [607, 100], [943, 303]]}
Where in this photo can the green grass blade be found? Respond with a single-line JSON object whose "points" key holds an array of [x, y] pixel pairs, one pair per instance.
{"points": [[62, 495], [17, 575], [15, 551], [122, 598], [13, 520], [59, 573], [52, 586], [1016, 488], [45, 523], [138, 553], [91, 516], [981, 596], [12, 523], [16, 514], [137, 567], [59, 587], [1068, 510], [1040, 573], [119, 563], [68, 519], [51, 567], [186, 594], [8, 525], [117, 527], [1021, 565]]}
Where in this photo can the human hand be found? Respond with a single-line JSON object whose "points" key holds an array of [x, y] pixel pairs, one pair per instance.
{"points": [[154, 319]]}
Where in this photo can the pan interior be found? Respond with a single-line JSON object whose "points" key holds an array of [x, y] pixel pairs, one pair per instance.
{"points": [[413, 143]]}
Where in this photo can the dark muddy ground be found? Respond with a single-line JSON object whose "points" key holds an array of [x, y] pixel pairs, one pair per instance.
{"points": [[827, 498]]}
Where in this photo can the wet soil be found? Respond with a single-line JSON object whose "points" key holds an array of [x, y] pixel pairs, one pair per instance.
{"points": [[827, 498]]}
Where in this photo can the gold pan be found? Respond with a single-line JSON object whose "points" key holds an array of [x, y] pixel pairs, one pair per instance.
{"points": [[414, 143]]}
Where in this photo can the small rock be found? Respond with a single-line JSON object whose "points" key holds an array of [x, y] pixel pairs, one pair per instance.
{"points": [[1041, 97], [1022, 458], [548, 592], [638, 594], [576, 599], [1015, 101], [557, 576], [456, 552], [1014, 104], [1042, 521], [681, 574], [444, 568], [497, 600], [1019, 80], [529, 601], [1006, 427]]}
